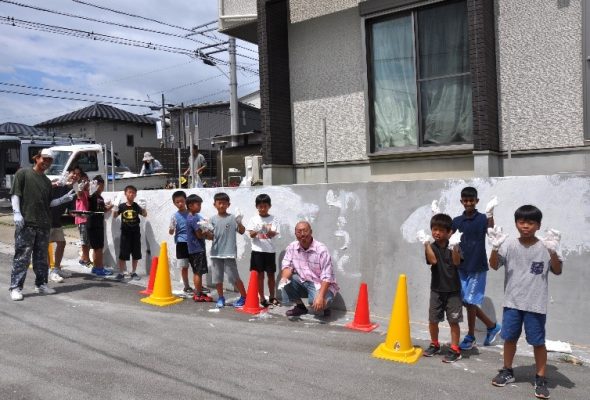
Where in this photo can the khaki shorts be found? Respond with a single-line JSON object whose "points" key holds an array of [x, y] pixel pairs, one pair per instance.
{"points": [[56, 235]]}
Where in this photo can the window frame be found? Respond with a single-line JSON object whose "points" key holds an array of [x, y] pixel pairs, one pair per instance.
{"points": [[367, 22], [132, 141]]}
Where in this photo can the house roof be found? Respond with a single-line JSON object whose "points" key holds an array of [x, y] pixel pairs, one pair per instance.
{"points": [[99, 112], [13, 128], [212, 105]]}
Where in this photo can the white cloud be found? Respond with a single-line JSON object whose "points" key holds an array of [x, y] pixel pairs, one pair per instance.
{"points": [[80, 65]]}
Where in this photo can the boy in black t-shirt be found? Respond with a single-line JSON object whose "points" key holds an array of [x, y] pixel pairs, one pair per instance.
{"points": [[444, 257], [95, 224], [130, 233]]}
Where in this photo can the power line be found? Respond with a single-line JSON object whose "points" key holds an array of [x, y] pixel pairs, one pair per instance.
{"points": [[187, 84], [218, 92], [70, 98], [70, 92], [144, 73]]}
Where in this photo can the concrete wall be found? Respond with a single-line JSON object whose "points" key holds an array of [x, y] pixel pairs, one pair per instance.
{"points": [[301, 10], [371, 227], [540, 74]]}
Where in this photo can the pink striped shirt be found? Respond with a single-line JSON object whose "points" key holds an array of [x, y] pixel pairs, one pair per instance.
{"points": [[312, 265]]}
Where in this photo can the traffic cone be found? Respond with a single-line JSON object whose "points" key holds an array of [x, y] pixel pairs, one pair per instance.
{"points": [[150, 287], [252, 305], [361, 320], [51, 259], [162, 293], [398, 343]]}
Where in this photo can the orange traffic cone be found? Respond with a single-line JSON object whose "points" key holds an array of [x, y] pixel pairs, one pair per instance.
{"points": [[361, 320], [252, 305], [150, 287], [51, 259], [398, 343], [162, 293]]}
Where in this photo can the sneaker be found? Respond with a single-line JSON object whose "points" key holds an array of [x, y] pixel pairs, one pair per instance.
{"points": [[188, 290], [119, 277], [202, 298], [505, 376], [240, 302], [101, 272], [296, 311], [63, 273], [541, 391], [452, 356], [44, 289], [16, 294], [431, 350], [492, 334], [54, 277], [134, 276], [82, 262], [467, 343], [205, 289], [220, 302]]}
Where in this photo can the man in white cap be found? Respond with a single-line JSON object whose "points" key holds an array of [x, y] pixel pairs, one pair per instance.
{"points": [[31, 202], [150, 164]]}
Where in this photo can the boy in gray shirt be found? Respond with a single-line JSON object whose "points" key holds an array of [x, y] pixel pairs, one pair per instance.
{"points": [[527, 261]]}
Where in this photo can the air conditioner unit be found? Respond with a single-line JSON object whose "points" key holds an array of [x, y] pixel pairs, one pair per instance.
{"points": [[253, 166]]}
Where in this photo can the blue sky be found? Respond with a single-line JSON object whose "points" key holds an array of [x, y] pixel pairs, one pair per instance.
{"points": [[58, 62]]}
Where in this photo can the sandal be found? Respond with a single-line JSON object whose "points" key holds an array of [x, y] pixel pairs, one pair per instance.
{"points": [[264, 303], [274, 301]]}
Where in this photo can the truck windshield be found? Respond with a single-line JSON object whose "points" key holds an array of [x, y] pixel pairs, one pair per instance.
{"points": [[59, 162]]}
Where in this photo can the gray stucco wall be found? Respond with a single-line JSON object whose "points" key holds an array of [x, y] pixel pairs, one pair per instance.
{"points": [[540, 74], [326, 75], [301, 10], [371, 228]]}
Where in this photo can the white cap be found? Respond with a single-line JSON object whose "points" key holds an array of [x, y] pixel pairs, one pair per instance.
{"points": [[147, 156], [45, 153]]}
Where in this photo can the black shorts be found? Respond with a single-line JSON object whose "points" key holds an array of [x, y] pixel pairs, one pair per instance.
{"points": [[96, 237], [449, 303], [263, 262], [130, 245], [181, 250], [198, 262]]}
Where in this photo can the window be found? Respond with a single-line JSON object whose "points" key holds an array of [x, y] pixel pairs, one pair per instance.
{"points": [[130, 140], [419, 78], [187, 120]]}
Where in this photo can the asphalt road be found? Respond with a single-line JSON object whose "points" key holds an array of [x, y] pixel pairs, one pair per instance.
{"points": [[94, 339]]}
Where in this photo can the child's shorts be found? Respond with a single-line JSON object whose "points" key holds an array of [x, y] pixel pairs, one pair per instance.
{"points": [[182, 255], [82, 228], [222, 265], [534, 326], [263, 262], [130, 245], [56, 235], [96, 238], [473, 287], [198, 263], [449, 303]]}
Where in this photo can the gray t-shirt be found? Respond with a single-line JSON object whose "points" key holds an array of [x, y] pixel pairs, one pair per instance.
{"points": [[224, 236], [526, 275]]}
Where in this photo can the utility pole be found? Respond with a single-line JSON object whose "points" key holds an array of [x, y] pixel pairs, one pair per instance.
{"points": [[233, 90], [164, 134]]}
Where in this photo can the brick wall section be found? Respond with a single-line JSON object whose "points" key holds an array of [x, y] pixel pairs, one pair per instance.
{"points": [[275, 95], [482, 57]]}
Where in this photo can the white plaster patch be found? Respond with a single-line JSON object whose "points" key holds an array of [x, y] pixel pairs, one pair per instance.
{"points": [[345, 201]]}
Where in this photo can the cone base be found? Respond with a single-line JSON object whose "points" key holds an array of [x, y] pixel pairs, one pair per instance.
{"points": [[161, 302], [251, 310], [404, 356], [361, 327]]}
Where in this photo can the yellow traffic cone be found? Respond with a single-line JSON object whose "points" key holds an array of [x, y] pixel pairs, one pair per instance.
{"points": [[50, 255], [162, 294], [398, 343]]}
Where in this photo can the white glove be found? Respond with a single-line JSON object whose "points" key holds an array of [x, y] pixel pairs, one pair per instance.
{"points": [[62, 180], [66, 198], [283, 282], [434, 207], [142, 203], [490, 207], [172, 225], [80, 186], [239, 216], [496, 237], [205, 225], [93, 187], [552, 241], [423, 237], [455, 239], [19, 221]]}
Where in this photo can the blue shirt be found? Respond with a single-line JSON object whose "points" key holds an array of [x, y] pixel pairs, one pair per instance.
{"points": [[195, 245], [180, 231], [473, 241]]}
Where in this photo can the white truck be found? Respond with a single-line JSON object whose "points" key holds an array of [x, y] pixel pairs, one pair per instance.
{"points": [[91, 158]]}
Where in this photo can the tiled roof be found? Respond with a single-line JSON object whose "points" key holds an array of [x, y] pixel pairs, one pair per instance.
{"points": [[13, 128], [99, 112]]}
